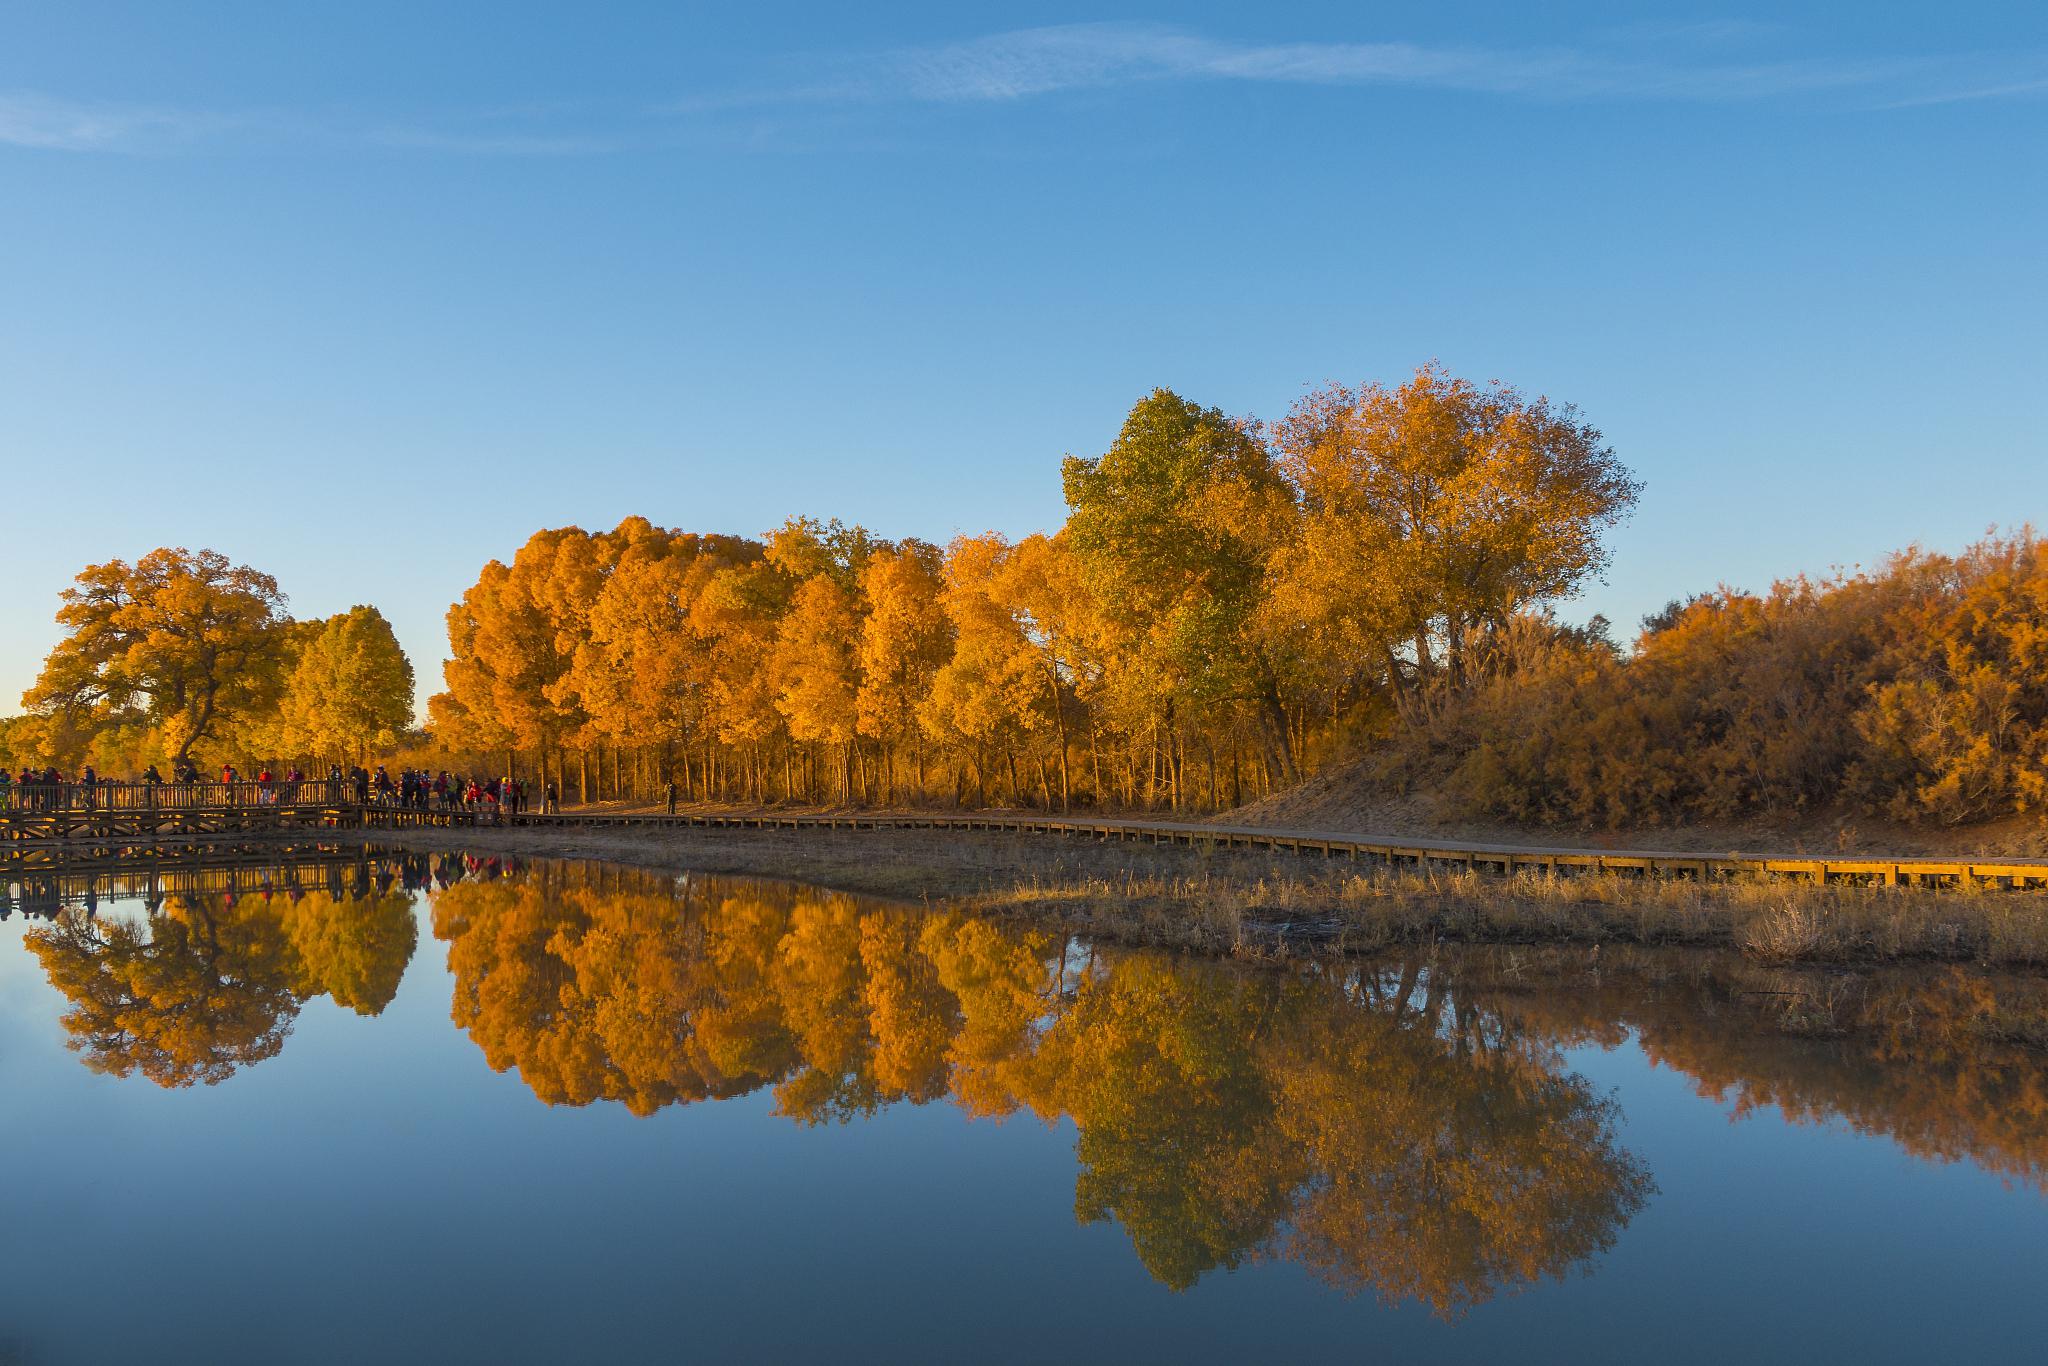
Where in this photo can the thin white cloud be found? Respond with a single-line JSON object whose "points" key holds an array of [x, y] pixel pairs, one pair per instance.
{"points": [[44, 123], [1631, 64], [39, 121], [2008, 91], [1009, 66], [1660, 65]]}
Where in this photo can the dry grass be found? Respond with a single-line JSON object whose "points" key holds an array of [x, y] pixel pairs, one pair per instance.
{"points": [[1225, 901], [1770, 921]]}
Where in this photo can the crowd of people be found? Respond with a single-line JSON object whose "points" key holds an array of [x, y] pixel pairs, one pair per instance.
{"points": [[49, 789], [418, 789]]}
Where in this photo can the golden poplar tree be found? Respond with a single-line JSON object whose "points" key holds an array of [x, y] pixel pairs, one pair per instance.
{"points": [[1434, 511], [350, 691], [905, 639], [183, 644]]}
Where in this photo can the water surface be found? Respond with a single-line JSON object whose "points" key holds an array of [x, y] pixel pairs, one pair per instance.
{"points": [[461, 1110]]}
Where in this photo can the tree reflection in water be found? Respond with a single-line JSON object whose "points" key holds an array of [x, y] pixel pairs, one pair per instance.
{"points": [[197, 987], [1375, 1131], [1406, 1126]]}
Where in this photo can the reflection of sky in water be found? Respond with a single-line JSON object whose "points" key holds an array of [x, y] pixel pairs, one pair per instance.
{"points": [[376, 1191]]}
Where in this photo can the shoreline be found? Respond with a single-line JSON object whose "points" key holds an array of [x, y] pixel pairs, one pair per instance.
{"points": [[1250, 904]]}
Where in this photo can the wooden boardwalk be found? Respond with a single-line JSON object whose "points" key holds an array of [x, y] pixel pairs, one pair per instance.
{"points": [[34, 815], [52, 824], [1384, 850]]}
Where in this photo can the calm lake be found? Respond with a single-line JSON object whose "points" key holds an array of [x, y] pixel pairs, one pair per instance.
{"points": [[463, 1110]]}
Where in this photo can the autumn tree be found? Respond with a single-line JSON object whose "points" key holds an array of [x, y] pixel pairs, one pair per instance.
{"points": [[905, 639], [351, 688], [643, 671], [817, 670], [982, 700], [514, 636], [1433, 512], [1059, 626], [737, 617], [501, 657], [182, 643], [1173, 527]]}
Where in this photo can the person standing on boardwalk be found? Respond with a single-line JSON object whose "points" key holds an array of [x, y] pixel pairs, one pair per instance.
{"points": [[671, 796], [550, 802]]}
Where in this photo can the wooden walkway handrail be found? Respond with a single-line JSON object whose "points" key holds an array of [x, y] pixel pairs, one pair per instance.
{"points": [[126, 796]]}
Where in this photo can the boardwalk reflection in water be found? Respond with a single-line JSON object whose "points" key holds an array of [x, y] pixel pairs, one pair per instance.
{"points": [[1407, 1126]]}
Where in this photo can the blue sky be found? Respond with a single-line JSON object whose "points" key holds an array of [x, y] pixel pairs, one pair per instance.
{"points": [[365, 294]]}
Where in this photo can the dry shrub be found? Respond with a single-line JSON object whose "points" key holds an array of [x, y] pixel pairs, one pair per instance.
{"points": [[1918, 691], [1784, 932]]}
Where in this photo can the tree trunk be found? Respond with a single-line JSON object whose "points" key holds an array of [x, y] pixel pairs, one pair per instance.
{"points": [[1276, 725], [1095, 763]]}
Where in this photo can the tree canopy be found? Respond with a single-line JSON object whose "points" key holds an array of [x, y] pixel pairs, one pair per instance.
{"points": [[350, 690], [184, 644]]}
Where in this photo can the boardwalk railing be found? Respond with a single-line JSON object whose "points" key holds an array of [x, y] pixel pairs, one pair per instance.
{"points": [[210, 796]]}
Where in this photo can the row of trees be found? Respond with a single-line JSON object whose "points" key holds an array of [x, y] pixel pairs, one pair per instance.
{"points": [[1228, 605], [1224, 604], [188, 656]]}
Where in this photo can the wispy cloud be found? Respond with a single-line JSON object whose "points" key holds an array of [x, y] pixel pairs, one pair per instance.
{"points": [[1635, 64], [46, 123], [1692, 63], [39, 121], [2009, 90], [1031, 62]]}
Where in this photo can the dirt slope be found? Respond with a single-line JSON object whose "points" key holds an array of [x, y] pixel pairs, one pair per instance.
{"points": [[1346, 798]]}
